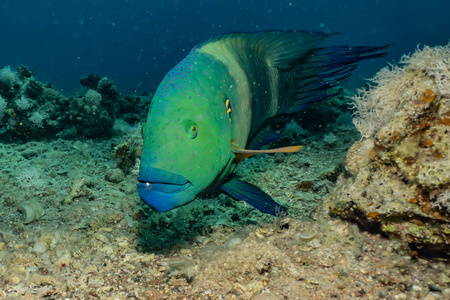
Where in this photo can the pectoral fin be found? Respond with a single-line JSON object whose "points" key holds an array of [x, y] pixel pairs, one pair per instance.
{"points": [[242, 154], [254, 196]]}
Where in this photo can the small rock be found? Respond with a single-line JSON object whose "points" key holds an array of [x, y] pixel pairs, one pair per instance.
{"points": [[446, 293], [315, 243], [259, 235], [234, 242], [40, 248], [43, 279], [64, 260], [430, 296], [123, 244], [107, 250], [114, 175], [444, 278], [267, 296], [434, 288], [102, 238], [15, 280]]}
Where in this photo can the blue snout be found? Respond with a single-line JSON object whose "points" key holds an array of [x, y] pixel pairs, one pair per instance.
{"points": [[162, 190]]}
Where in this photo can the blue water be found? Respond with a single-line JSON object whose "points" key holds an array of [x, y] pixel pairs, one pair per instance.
{"points": [[136, 42]]}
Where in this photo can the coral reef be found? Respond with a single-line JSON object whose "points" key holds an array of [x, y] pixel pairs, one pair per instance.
{"points": [[7, 77], [400, 171], [30, 109]]}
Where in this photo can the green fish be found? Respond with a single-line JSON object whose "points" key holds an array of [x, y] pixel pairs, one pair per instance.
{"points": [[207, 114]]}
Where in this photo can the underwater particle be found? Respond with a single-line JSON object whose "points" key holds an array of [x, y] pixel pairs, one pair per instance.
{"points": [[32, 210]]}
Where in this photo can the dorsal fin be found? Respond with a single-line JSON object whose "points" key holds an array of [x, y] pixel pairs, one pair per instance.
{"points": [[289, 67], [280, 49]]}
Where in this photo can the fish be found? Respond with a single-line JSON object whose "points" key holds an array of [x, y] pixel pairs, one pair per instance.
{"points": [[208, 113]]}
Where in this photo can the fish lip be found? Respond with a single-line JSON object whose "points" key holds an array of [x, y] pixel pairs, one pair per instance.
{"points": [[160, 176], [164, 187]]}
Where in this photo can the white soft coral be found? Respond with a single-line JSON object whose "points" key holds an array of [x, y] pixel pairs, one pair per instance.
{"points": [[443, 201], [376, 105], [8, 77], [435, 62]]}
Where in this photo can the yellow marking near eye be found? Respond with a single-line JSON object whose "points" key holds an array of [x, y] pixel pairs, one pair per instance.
{"points": [[227, 104]]}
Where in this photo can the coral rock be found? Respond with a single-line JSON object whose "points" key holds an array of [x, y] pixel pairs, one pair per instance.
{"points": [[399, 181]]}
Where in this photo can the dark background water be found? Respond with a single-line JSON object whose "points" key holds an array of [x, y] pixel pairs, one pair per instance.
{"points": [[136, 42]]}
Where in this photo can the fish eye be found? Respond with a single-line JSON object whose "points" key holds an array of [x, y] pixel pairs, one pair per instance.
{"points": [[191, 129]]}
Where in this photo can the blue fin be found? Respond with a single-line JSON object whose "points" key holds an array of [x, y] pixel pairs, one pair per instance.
{"points": [[254, 196], [323, 69], [265, 136]]}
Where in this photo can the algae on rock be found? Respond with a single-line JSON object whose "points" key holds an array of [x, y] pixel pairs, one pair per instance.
{"points": [[399, 173]]}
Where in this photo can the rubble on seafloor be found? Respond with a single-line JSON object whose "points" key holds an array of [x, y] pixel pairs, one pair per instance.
{"points": [[98, 240], [398, 178]]}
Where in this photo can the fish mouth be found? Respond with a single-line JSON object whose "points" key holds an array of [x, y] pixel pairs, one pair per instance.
{"points": [[163, 187], [163, 190], [158, 180], [164, 196]]}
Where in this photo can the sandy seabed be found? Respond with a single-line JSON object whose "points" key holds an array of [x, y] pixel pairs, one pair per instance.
{"points": [[97, 240]]}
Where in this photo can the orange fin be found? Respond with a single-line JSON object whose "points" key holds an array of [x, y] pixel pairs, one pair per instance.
{"points": [[242, 154]]}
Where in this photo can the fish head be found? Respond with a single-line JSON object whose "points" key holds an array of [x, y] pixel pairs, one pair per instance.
{"points": [[186, 142]]}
